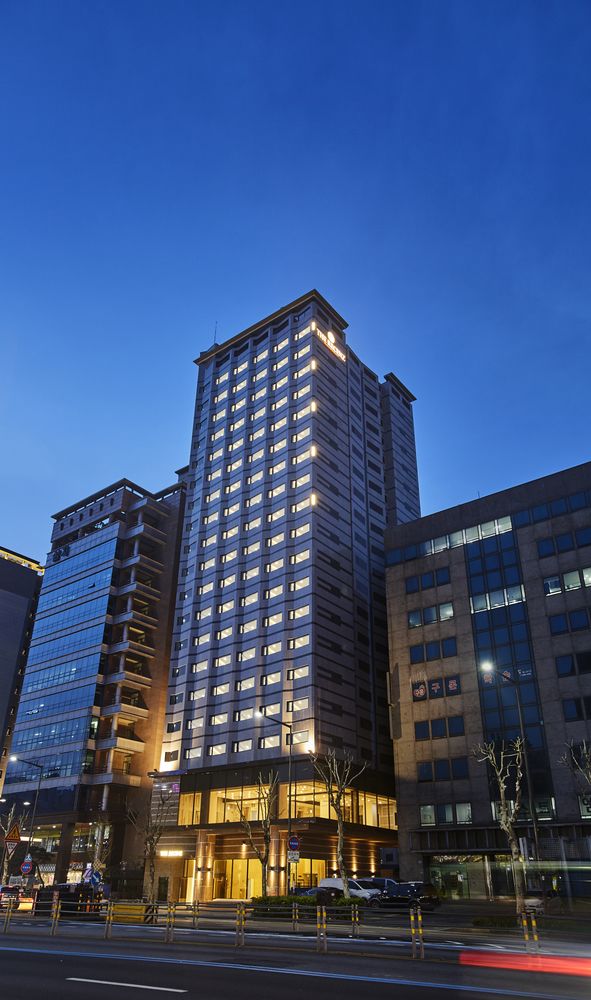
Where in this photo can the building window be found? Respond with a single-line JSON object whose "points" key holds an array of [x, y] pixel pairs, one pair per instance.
{"points": [[298, 705], [240, 746], [267, 742], [216, 749]]}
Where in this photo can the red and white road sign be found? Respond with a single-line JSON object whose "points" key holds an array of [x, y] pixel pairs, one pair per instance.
{"points": [[12, 840]]}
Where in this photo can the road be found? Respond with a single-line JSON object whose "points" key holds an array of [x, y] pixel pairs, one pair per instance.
{"points": [[68, 970]]}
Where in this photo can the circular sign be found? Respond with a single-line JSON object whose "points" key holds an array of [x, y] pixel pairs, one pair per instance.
{"points": [[27, 867], [293, 843]]}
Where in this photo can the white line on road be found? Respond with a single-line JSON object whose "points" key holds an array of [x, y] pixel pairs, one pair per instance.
{"points": [[134, 986]]}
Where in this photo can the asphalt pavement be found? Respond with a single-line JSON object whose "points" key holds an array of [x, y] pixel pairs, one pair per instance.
{"points": [[38, 969]]}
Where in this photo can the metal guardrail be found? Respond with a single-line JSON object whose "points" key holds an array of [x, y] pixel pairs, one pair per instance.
{"points": [[247, 922]]}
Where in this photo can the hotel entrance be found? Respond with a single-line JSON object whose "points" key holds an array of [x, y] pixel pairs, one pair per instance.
{"points": [[238, 878]]}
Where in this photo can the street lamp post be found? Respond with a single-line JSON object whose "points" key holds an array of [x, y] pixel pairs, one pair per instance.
{"points": [[289, 727], [39, 766], [489, 668]]}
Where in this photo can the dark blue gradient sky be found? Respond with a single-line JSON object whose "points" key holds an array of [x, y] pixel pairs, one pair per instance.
{"points": [[425, 165]]}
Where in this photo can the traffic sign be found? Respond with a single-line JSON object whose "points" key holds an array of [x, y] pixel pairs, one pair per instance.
{"points": [[293, 857], [12, 840], [95, 879], [27, 867], [294, 842]]}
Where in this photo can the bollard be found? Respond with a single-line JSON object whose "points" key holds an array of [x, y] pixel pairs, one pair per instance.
{"points": [[321, 940], [525, 929], [195, 915], [420, 932], [413, 932], [240, 921], [56, 909], [170, 919], [109, 920], [355, 920], [8, 916], [534, 931], [295, 917]]}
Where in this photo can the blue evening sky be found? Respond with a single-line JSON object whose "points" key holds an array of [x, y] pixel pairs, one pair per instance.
{"points": [[163, 165]]}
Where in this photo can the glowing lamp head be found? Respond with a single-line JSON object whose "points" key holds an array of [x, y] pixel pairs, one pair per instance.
{"points": [[487, 667]]}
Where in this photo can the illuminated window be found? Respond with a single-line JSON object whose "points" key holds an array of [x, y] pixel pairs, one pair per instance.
{"points": [[220, 689], [248, 626], [267, 742], [216, 749], [228, 511], [301, 392], [274, 470], [218, 720], [222, 661], [224, 633], [248, 550], [199, 667], [244, 655], [281, 364], [299, 557], [238, 404], [222, 608], [208, 564], [255, 523], [245, 684], [222, 378], [302, 529], [271, 649], [279, 403], [254, 500], [237, 424], [298, 642], [234, 465], [213, 496], [256, 434], [275, 619], [260, 375], [279, 424], [299, 705], [276, 539], [268, 679], [239, 746], [256, 455], [269, 710], [304, 581], [205, 588], [242, 714], [239, 386], [227, 557], [301, 481], [300, 612], [234, 445], [249, 599], [300, 505], [274, 592], [279, 384], [277, 491], [218, 434], [241, 368], [302, 736], [296, 673], [233, 486], [280, 345], [197, 695], [227, 581], [250, 574], [272, 567], [255, 478], [201, 640], [276, 515]]}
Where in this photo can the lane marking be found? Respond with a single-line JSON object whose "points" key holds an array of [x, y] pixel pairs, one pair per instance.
{"points": [[273, 970], [133, 986]]}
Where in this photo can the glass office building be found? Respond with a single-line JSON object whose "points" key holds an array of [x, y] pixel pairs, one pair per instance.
{"points": [[92, 695], [489, 611]]}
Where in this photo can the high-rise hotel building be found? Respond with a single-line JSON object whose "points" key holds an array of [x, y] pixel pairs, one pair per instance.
{"points": [[300, 458]]}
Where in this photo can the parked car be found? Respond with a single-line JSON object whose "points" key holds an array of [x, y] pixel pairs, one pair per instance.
{"points": [[357, 891], [408, 893], [10, 892]]}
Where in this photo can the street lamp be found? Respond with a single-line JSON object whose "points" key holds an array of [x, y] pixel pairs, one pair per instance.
{"points": [[13, 758], [289, 726], [489, 668]]}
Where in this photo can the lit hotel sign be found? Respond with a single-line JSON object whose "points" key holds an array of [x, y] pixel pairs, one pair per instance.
{"points": [[330, 341]]}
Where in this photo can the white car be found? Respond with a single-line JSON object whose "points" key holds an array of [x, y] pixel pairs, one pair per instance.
{"points": [[356, 890]]}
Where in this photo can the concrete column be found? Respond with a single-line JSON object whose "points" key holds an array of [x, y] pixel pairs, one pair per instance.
{"points": [[64, 852]]}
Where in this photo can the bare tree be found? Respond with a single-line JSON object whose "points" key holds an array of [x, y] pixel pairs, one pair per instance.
{"points": [[338, 774], [506, 764], [149, 822], [267, 796], [578, 760], [7, 821]]}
